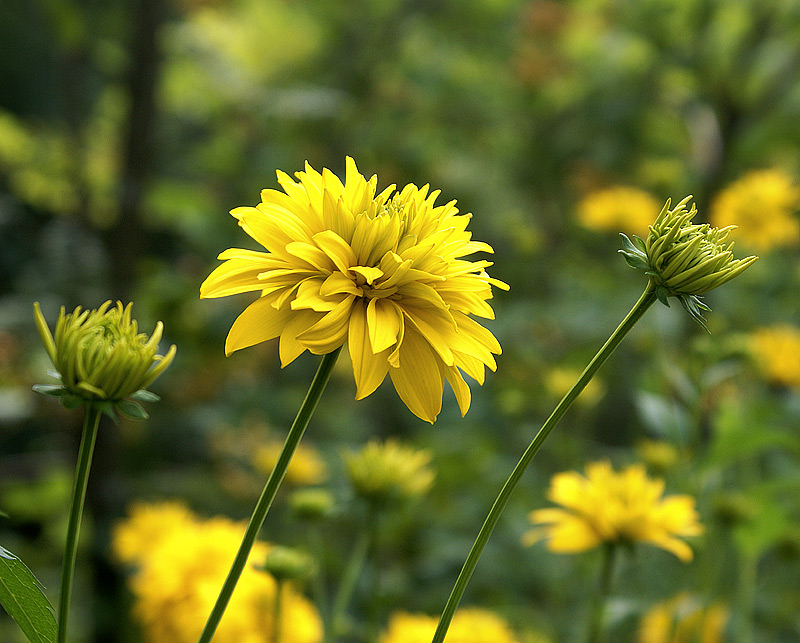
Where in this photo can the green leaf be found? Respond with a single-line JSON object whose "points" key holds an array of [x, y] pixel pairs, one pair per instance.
{"points": [[131, 410], [22, 597]]}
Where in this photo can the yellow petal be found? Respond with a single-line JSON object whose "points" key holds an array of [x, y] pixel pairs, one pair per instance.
{"points": [[369, 369], [308, 296], [234, 276], [259, 322], [330, 331], [339, 252], [460, 388], [338, 284], [298, 322], [418, 381], [383, 323]]}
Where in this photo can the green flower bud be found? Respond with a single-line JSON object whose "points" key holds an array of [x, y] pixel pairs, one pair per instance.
{"points": [[285, 563], [312, 503], [101, 359], [684, 260]]}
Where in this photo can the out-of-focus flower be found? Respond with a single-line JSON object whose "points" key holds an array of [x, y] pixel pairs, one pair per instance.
{"points": [[684, 260], [312, 503], [469, 625], [610, 507], [682, 619], [618, 209], [286, 563], [101, 358], [305, 468], [658, 455], [179, 562], [387, 471], [762, 205], [776, 349], [559, 380], [384, 272]]}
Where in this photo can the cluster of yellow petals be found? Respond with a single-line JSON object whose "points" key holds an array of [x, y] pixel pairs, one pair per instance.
{"points": [[609, 507], [683, 619], [777, 351], [383, 272], [180, 561], [619, 209], [469, 625], [763, 205]]}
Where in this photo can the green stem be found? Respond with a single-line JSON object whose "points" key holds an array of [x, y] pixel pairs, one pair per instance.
{"points": [[270, 489], [90, 425], [639, 309], [276, 614], [599, 603], [348, 585]]}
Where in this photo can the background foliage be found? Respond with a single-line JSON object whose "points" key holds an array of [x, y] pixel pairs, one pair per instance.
{"points": [[129, 129]]}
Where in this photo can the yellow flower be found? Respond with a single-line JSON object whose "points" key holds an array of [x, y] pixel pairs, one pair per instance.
{"points": [[470, 625], [101, 357], [762, 204], [389, 471], [305, 468], [609, 507], [684, 620], [560, 380], [384, 272], [618, 209], [777, 351], [180, 562]]}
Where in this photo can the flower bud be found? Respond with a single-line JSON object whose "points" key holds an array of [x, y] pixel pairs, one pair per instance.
{"points": [[285, 563], [312, 503], [101, 359], [684, 260]]}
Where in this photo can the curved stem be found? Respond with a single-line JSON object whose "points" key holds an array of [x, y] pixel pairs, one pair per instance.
{"points": [[91, 423], [639, 309], [270, 489]]}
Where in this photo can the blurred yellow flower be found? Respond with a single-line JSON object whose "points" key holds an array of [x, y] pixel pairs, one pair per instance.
{"points": [[389, 471], [560, 380], [384, 272], [763, 205], [777, 351], [179, 563], [609, 507], [469, 625], [618, 209], [683, 620], [658, 455], [306, 467]]}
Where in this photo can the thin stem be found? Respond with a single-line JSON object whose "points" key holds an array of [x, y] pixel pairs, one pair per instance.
{"points": [[348, 585], [270, 489], [276, 613], [91, 423], [599, 603], [639, 309]]}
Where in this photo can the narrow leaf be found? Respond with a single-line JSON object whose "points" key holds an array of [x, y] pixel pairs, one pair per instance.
{"points": [[22, 597], [143, 395]]}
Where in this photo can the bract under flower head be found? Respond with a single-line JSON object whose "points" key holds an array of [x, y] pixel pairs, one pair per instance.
{"points": [[684, 260], [101, 358], [609, 507], [384, 272]]}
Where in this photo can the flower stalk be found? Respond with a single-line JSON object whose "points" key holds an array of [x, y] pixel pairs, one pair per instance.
{"points": [[264, 503], [604, 589]]}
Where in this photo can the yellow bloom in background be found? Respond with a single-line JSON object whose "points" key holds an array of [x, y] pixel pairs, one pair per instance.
{"points": [[306, 467], [684, 620], [469, 625], [610, 507], [776, 349], [618, 209], [763, 204], [179, 562], [560, 380], [389, 471], [383, 272]]}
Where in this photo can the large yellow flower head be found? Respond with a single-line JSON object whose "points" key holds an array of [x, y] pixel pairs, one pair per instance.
{"points": [[776, 349], [618, 208], [763, 205], [609, 507], [470, 625], [682, 619], [383, 272], [180, 561]]}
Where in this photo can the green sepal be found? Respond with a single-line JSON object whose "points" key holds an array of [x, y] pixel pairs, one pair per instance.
{"points": [[634, 261], [54, 374], [106, 407], [131, 410], [663, 295], [143, 395], [693, 305], [71, 401], [55, 390]]}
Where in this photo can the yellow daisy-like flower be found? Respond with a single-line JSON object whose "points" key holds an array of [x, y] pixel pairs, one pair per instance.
{"points": [[470, 625], [609, 507], [180, 561], [383, 272], [777, 351], [618, 209], [305, 468], [682, 619], [763, 205]]}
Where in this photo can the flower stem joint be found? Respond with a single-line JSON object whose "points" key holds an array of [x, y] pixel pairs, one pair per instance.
{"points": [[683, 259], [101, 359]]}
